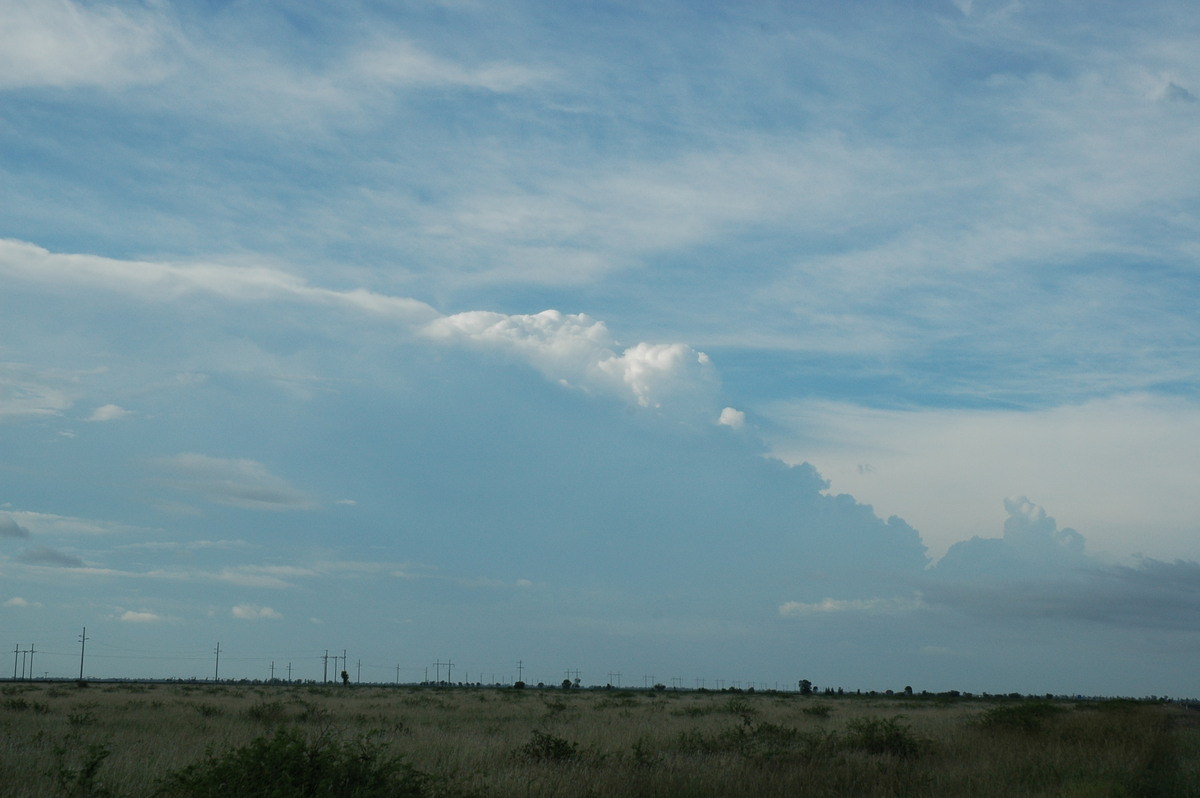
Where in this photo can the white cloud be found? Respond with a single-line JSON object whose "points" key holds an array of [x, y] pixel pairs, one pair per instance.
{"points": [[151, 281], [142, 616], [655, 373], [877, 606], [25, 392], [236, 483], [578, 351], [401, 63], [109, 413], [731, 417], [270, 576], [62, 44], [17, 601], [252, 612]]}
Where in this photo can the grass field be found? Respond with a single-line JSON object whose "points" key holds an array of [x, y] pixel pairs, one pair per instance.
{"points": [[180, 739]]}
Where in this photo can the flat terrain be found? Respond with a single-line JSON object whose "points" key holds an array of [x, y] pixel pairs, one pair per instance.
{"points": [[127, 739]]}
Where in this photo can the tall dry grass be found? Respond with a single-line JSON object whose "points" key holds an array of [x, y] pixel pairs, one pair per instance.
{"points": [[123, 739]]}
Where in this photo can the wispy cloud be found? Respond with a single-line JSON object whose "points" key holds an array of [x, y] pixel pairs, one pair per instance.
{"points": [[161, 281], [876, 606], [403, 64], [29, 392], [267, 576], [109, 413], [44, 555], [11, 529], [233, 482], [63, 44]]}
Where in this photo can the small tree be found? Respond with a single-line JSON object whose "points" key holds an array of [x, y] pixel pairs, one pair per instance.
{"points": [[806, 687]]}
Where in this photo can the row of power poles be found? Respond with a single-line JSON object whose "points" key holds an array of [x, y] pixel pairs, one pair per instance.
{"points": [[23, 658], [26, 657]]}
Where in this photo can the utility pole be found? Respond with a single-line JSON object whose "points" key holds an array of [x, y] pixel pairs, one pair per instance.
{"points": [[31, 652], [16, 653], [325, 673], [217, 667], [520, 671], [289, 672], [82, 642], [272, 670], [358, 680], [449, 665], [397, 673]]}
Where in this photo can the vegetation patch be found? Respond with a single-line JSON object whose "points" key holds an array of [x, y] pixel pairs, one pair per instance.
{"points": [[1025, 717], [287, 764], [543, 747]]}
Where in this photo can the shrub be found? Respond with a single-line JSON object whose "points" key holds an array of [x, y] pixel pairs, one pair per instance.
{"points": [[883, 736], [81, 781], [288, 765], [1023, 717], [544, 747], [267, 712]]}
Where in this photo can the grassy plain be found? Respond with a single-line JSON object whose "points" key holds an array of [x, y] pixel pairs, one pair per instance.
{"points": [[125, 739]]}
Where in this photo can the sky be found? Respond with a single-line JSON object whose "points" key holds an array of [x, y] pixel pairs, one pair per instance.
{"points": [[698, 343]]}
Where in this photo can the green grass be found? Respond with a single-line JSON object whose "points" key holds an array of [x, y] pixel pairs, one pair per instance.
{"points": [[176, 740]]}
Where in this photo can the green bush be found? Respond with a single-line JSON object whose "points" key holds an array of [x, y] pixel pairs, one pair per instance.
{"points": [[288, 765], [81, 781], [544, 747], [270, 713], [883, 736], [1024, 717]]}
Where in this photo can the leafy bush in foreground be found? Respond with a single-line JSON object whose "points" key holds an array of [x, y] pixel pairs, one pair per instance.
{"points": [[288, 765], [883, 736], [543, 747]]}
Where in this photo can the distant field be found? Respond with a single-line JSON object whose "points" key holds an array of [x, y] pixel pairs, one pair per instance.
{"points": [[129, 739]]}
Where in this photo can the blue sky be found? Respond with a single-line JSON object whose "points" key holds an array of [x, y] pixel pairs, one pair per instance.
{"points": [[709, 343]]}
